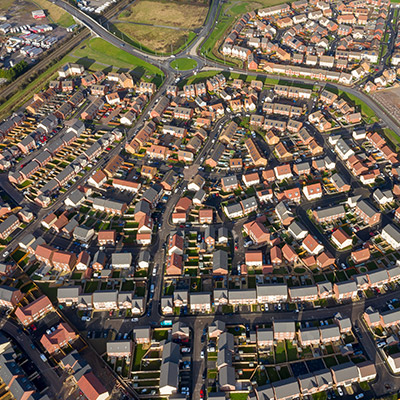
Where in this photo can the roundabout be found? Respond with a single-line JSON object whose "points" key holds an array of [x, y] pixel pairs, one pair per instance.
{"points": [[183, 64]]}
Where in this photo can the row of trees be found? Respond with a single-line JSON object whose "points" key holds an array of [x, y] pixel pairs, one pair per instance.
{"points": [[14, 72]]}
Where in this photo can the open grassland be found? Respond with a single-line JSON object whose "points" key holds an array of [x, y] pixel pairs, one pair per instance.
{"points": [[188, 15], [230, 11], [5, 4], [101, 52], [152, 39], [55, 13]]}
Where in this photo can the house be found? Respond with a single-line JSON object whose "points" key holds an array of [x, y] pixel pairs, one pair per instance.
{"points": [[297, 230], [229, 183], [10, 297], [216, 328], [200, 302], [257, 232], [68, 295], [249, 205], [180, 331], [329, 214], [265, 337], [311, 245], [253, 258], [345, 374], [242, 296], [391, 234], [34, 311], [121, 260], [141, 334], [308, 384], [378, 277], [105, 238], [309, 336], [313, 192], [91, 387], [83, 261], [272, 293], [119, 348], [360, 256], [251, 179], [206, 216], [367, 371], [8, 226], [345, 290], [220, 262], [341, 239], [174, 264], [169, 371], [367, 213], [303, 293], [284, 330], [180, 297], [233, 211], [196, 183], [143, 261], [167, 306], [105, 300], [59, 338], [97, 179], [283, 172], [330, 333], [284, 214]]}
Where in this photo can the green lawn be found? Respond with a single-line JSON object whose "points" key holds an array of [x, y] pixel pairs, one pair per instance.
{"points": [[183, 64], [272, 374], [392, 136], [291, 351], [50, 292], [91, 286], [139, 353], [239, 396], [98, 50], [280, 354], [160, 334]]}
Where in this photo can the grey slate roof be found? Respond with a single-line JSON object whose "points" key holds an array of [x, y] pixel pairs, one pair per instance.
{"points": [[119, 346]]}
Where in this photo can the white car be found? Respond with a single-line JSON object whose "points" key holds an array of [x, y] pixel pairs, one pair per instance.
{"points": [[340, 391], [202, 354]]}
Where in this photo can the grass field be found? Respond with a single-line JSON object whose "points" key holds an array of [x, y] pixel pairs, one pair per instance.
{"points": [[152, 39], [183, 64], [187, 16], [55, 13], [393, 137], [98, 50], [5, 4], [171, 13]]}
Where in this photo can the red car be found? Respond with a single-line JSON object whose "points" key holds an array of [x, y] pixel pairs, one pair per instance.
{"points": [[202, 394], [236, 247]]}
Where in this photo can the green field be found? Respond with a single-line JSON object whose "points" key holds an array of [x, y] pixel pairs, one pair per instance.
{"points": [[101, 52], [183, 64], [393, 137], [55, 14], [153, 40]]}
